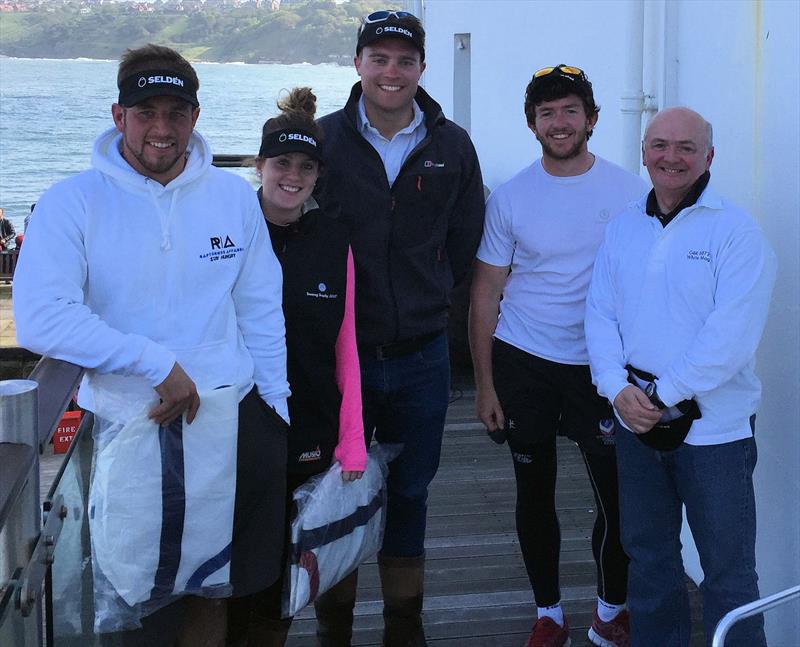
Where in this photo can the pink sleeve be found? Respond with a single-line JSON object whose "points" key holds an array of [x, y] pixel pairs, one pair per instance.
{"points": [[351, 451]]}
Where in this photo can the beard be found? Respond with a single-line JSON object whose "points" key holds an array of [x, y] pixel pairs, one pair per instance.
{"points": [[156, 165], [571, 153]]}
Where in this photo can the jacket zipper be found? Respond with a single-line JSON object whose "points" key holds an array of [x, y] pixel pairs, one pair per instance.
{"points": [[411, 157]]}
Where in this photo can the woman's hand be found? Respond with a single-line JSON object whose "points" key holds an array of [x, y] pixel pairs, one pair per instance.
{"points": [[351, 475]]}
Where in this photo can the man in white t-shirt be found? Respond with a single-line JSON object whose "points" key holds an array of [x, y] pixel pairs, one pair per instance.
{"points": [[544, 226]]}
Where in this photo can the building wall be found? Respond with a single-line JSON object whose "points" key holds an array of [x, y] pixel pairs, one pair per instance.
{"points": [[737, 64], [516, 39]]}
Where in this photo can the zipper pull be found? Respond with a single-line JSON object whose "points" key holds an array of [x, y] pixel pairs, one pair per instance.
{"points": [[419, 183]]}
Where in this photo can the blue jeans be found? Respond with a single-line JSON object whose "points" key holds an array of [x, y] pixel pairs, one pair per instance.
{"points": [[405, 401], [715, 484]]}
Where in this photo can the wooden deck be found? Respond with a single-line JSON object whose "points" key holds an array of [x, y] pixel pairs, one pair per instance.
{"points": [[476, 587], [8, 337]]}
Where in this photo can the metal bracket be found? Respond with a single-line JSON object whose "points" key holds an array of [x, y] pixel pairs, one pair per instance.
{"points": [[7, 595], [32, 578]]}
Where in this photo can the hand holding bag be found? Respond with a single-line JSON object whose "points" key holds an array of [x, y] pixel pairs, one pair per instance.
{"points": [[338, 526]]}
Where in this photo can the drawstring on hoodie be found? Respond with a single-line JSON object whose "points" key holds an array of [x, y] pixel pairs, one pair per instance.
{"points": [[164, 218], [107, 158]]}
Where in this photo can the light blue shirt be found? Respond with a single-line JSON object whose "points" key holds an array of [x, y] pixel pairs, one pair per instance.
{"points": [[393, 152]]}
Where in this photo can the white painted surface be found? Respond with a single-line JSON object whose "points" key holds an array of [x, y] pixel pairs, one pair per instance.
{"points": [[734, 61]]}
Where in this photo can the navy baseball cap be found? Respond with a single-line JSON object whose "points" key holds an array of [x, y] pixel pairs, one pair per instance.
{"points": [[389, 24]]}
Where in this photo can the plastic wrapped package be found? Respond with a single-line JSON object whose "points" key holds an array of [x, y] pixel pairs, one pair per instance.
{"points": [[337, 526], [161, 508]]}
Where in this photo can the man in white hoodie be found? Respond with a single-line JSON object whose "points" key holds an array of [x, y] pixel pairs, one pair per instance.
{"points": [[154, 271]]}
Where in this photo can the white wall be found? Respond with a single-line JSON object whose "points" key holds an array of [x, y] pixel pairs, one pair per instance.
{"points": [[510, 41], [735, 62]]}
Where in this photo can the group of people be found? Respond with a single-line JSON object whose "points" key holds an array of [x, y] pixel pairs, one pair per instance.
{"points": [[9, 238], [324, 299], [8, 233]]}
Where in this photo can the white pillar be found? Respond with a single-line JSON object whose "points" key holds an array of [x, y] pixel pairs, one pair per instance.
{"points": [[632, 100]]}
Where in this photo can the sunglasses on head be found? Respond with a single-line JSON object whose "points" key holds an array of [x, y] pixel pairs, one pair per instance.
{"points": [[574, 73], [380, 16]]}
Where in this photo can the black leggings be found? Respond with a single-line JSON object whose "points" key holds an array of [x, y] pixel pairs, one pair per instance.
{"points": [[539, 533]]}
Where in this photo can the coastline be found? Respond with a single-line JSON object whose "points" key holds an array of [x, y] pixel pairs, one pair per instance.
{"points": [[86, 59]]}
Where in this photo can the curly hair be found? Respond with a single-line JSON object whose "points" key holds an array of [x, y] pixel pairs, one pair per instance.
{"points": [[552, 89]]}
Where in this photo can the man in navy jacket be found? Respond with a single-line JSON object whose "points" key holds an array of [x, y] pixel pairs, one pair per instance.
{"points": [[407, 183]]}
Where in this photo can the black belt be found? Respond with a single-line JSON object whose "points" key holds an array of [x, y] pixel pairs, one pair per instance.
{"points": [[400, 348]]}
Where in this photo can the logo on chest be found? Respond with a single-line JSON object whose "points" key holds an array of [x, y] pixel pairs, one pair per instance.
{"points": [[310, 456], [222, 248], [699, 255], [322, 293]]}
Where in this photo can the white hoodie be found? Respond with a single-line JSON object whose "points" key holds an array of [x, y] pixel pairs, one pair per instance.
{"points": [[124, 276]]}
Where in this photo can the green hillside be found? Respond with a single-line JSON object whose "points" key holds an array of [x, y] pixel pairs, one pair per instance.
{"points": [[317, 31]]}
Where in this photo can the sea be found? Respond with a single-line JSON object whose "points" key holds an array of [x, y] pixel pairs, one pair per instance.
{"points": [[52, 110]]}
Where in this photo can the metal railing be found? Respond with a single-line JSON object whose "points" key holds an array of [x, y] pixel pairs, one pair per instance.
{"points": [[751, 609], [29, 414], [19, 503]]}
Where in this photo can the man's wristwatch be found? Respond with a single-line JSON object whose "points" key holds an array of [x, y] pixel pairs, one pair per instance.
{"points": [[652, 394]]}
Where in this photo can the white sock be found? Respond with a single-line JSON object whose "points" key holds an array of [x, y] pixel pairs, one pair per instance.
{"points": [[607, 612], [555, 613]]}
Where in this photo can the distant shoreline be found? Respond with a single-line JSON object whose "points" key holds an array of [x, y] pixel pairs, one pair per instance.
{"points": [[321, 33], [81, 59]]}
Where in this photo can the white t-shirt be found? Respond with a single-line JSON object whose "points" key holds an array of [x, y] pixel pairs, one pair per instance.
{"points": [[548, 230]]}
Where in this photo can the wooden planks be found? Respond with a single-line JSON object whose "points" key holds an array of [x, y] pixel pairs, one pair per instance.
{"points": [[476, 588]]}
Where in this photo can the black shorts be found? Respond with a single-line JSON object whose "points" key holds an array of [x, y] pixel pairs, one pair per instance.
{"points": [[542, 399]]}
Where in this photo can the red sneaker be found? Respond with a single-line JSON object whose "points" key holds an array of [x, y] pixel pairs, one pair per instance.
{"points": [[548, 633], [614, 633]]}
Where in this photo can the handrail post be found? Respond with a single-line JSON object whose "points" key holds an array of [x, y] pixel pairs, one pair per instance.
{"points": [[19, 423]]}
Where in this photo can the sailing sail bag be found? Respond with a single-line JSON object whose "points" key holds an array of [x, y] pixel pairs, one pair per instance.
{"points": [[161, 510], [337, 526]]}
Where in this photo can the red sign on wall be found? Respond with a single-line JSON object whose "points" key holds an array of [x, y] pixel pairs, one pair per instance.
{"points": [[65, 432]]}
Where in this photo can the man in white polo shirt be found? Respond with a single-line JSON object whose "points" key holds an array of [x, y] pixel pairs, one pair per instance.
{"points": [[531, 366], [676, 308]]}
